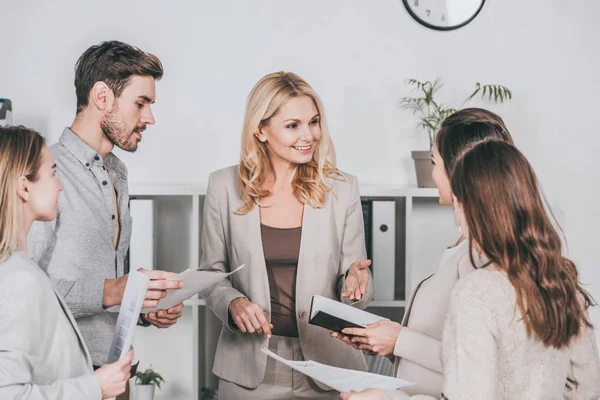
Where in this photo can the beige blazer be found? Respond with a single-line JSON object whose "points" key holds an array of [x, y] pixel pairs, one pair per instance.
{"points": [[332, 239], [419, 343], [42, 353]]}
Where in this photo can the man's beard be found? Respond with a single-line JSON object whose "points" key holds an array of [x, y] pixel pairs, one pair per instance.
{"points": [[116, 132]]}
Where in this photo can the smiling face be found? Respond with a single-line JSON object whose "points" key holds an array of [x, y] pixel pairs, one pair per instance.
{"points": [[293, 132], [124, 123]]}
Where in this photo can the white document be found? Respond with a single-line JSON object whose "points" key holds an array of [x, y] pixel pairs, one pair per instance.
{"points": [[341, 379], [193, 282], [133, 298]]}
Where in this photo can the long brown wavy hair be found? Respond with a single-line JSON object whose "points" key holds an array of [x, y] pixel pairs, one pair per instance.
{"points": [[464, 128], [264, 101], [507, 219]]}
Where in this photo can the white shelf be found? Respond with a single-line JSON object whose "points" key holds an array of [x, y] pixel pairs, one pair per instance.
{"points": [[366, 190], [375, 303], [390, 303], [167, 190], [194, 302]]}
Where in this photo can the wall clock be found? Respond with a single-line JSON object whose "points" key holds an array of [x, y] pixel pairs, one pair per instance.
{"points": [[443, 15]]}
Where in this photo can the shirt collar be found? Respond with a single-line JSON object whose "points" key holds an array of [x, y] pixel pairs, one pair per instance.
{"points": [[88, 156]]}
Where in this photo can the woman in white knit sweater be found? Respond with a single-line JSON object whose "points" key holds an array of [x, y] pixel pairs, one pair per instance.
{"points": [[517, 328]]}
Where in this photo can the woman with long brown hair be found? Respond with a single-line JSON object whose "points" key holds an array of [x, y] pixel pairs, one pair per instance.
{"points": [[517, 326], [415, 345], [42, 352]]}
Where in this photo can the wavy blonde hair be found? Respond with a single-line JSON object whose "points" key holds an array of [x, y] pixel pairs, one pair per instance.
{"points": [[264, 101], [20, 155]]}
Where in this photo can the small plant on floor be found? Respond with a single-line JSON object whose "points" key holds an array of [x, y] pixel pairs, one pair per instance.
{"points": [[148, 377]]}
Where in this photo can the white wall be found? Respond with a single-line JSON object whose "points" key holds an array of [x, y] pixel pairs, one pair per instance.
{"points": [[356, 54]]}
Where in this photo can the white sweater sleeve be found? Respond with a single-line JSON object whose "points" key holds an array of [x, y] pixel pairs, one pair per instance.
{"points": [[583, 382], [469, 333]]}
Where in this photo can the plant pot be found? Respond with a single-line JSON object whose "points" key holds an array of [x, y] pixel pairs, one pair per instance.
{"points": [[423, 168], [144, 392]]}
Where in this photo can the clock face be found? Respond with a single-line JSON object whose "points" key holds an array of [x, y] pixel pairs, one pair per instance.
{"points": [[443, 15]]}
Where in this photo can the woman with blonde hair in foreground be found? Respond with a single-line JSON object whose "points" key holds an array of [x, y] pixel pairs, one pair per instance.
{"points": [[295, 221], [42, 353]]}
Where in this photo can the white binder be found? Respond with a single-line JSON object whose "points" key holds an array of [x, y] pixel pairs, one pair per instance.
{"points": [[384, 248], [142, 253]]}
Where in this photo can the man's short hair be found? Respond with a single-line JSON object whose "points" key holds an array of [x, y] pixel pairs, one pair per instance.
{"points": [[113, 63]]}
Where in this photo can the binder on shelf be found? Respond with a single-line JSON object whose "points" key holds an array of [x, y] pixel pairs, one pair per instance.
{"points": [[367, 218], [142, 250], [383, 247]]}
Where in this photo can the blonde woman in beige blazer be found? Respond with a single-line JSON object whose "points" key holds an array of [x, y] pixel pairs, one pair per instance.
{"points": [[296, 223]]}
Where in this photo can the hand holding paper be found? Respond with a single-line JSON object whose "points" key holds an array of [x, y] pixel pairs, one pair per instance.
{"points": [[193, 282], [160, 282], [113, 377], [133, 298]]}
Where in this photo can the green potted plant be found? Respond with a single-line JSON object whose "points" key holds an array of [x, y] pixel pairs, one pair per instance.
{"points": [[145, 382], [432, 113]]}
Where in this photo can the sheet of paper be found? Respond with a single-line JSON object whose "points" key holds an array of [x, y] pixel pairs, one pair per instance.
{"points": [[133, 298], [341, 379], [193, 282]]}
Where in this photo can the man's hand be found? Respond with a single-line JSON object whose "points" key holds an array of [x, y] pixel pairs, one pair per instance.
{"points": [[157, 288], [165, 318]]}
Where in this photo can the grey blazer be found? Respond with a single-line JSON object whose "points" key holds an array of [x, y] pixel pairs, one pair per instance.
{"points": [[332, 239], [42, 353]]}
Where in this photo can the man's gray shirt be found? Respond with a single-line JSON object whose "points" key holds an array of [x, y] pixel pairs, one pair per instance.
{"points": [[77, 249]]}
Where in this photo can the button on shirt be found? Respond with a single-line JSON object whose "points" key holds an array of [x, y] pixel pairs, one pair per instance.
{"points": [[77, 250]]}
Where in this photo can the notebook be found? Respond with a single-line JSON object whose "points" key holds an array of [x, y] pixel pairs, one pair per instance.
{"points": [[335, 316]]}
